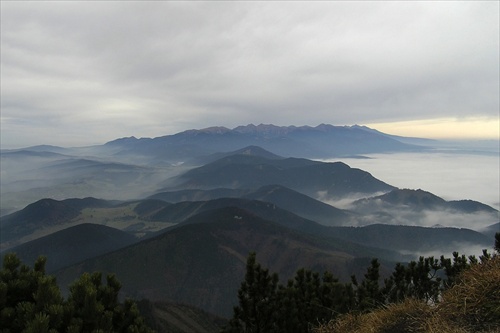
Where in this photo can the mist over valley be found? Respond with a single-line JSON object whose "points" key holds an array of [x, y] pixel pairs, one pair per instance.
{"points": [[451, 174], [176, 216]]}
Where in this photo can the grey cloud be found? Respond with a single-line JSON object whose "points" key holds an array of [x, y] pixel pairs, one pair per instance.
{"points": [[197, 64]]}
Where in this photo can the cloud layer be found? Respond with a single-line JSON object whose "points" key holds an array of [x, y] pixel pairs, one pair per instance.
{"points": [[86, 72], [450, 175]]}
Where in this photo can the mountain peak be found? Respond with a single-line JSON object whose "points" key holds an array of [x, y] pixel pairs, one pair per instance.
{"points": [[415, 197], [256, 151], [122, 141], [324, 127], [264, 129], [209, 130]]}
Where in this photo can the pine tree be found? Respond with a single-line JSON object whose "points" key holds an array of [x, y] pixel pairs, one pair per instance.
{"points": [[368, 293], [305, 301], [336, 298], [30, 301], [497, 242], [452, 268], [308, 299], [255, 312]]}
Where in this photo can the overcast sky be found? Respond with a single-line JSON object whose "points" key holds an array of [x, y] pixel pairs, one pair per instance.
{"points": [[84, 72]]}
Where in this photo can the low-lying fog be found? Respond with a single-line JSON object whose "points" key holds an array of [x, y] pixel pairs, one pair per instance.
{"points": [[29, 177], [450, 175]]}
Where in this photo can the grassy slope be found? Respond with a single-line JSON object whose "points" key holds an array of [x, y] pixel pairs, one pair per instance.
{"points": [[473, 305]]}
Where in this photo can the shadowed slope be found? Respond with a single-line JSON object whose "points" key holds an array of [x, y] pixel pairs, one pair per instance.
{"points": [[72, 245], [43, 214], [203, 262], [301, 205], [305, 176]]}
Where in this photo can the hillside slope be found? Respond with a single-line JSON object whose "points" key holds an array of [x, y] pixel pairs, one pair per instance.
{"points": [[72, 245], [203, 262], [334, 180], [302, 205]]}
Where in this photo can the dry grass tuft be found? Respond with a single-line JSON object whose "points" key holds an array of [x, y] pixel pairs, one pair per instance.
{"points": [[396, 318], [474, 302], [472, 305]]}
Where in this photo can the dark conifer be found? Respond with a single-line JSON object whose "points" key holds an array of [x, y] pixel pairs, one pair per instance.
{"points": [[30, 301]]}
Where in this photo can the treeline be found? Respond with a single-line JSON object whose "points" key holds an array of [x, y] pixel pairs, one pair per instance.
{"points": [[31, 302], [310, 299]]}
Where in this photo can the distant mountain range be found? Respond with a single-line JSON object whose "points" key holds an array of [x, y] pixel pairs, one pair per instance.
{"points": [[178, 214], [129, 168], [323, 141]]}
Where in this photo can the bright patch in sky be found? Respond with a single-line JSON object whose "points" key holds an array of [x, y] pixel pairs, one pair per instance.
{"points": [[444, 128]]}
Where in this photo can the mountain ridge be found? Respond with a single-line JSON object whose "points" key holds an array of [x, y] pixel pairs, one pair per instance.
{"points": [[72, 245], [322, 141], [419, 200], [309, 177], [202, 262]]}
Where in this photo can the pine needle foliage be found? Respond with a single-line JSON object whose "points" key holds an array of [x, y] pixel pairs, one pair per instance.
{"points": [[31, 302], [451, 295]]}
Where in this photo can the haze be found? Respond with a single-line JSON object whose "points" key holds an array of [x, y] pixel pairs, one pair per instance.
{"points": [[449, 175], [82, 73]]}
